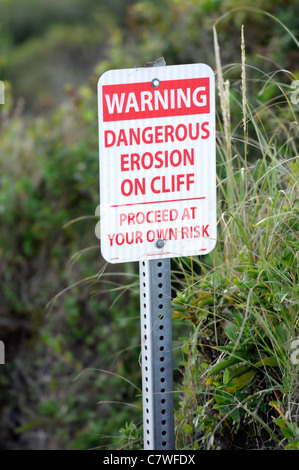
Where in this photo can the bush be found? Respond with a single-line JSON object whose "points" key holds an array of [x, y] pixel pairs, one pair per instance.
{"points": [[240, 381], [60, 322]]}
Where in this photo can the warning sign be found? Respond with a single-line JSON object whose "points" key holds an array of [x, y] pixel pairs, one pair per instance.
{"points": [[157, 162]]}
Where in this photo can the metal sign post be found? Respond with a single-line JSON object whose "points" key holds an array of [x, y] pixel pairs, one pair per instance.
{"points": [[156, 350]]}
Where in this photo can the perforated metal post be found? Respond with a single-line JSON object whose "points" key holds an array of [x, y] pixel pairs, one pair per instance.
{"points": [[156, 351]]}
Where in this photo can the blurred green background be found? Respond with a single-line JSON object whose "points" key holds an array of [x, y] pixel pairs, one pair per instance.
{"points": [[70, 323]]}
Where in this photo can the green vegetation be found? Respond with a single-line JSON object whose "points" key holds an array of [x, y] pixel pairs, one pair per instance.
{"points": [[69, 322], [240, 386]]}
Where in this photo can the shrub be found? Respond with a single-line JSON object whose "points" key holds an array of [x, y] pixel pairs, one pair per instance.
{"points": [[240, 384]]}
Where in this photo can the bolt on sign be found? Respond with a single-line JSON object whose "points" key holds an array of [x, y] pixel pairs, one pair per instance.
{"points": [[2, 353], [157, 162]]}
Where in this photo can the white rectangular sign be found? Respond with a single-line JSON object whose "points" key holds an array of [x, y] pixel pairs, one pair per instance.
{"points": [[157, 162]]}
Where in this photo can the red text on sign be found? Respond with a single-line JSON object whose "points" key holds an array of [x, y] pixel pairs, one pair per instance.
{"points": [[183, 233], [160, 159], [160, 215], [140, 101], [156, 134], [157, 185]]}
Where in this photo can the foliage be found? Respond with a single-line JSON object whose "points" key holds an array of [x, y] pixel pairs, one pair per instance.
{"points": [[55, 42], [244, 302], [49, 188]]}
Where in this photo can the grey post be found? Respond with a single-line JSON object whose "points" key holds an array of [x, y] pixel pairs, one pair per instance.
{"points": [[156, 354]]}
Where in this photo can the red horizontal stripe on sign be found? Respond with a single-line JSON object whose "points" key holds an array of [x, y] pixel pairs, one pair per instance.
{"points": [[158, 202], [129, 101]]}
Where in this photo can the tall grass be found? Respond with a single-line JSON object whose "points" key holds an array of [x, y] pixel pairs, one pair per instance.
{"points": [[240, 380]]}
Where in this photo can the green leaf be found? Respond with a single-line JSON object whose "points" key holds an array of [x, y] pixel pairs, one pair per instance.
{"points": [[280, 422], [226, 377], [232, 331], [240, 370], [188, 428], [235, 415], [267, 361], [287, 432], [240, 382], [30, 425], [285, 427], [293, 445], [223, 365]]}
